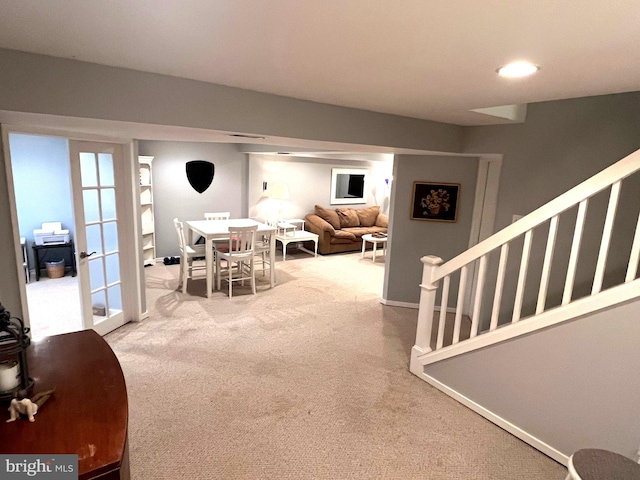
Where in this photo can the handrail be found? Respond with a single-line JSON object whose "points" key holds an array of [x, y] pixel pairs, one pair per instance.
{"points": [[435, 270], [616, 172]]}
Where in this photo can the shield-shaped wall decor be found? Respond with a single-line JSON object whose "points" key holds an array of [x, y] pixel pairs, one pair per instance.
{"points": [[200, 174]]}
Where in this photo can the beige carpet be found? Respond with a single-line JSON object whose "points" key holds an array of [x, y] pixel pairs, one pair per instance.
{"points": [[54, 306], [308, 380]]}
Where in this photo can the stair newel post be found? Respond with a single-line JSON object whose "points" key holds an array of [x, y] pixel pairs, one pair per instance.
{"points": [[428, 291]]}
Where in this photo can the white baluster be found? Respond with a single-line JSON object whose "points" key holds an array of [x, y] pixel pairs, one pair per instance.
{"points": [[522, 276], [606, 238], [477, 303], [546, 265], [634, 258], [575, 248], [497, 298], [443, 312], [459, 305]]}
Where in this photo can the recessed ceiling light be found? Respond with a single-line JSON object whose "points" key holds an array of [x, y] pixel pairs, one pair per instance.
{"points": [[518, 69]]}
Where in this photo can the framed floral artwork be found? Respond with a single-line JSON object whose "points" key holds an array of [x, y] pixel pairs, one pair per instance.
{"points": [[435, 201]]}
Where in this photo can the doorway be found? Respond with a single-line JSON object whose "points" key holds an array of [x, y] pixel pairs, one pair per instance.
{"points": [[42, 187], [73, 183]]}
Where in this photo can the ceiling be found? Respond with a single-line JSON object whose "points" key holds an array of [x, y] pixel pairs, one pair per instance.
{"points": [[426, 59]]}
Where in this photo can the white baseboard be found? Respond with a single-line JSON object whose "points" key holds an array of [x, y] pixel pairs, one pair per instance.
{"points": [[449, 310], [498, 420], [393, 303], [415, 306]]}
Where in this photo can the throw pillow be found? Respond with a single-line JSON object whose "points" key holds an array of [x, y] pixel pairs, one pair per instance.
{"points": [[328, 215], [348, 217], [368, 215]]}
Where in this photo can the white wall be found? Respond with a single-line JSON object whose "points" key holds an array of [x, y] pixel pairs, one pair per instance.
{"points": [[309, 184]]}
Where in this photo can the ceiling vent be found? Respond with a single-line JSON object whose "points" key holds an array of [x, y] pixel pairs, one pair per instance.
{"points": [[242, 135]]}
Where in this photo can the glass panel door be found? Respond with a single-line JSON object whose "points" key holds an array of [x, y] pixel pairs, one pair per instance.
{"points": [[94, 181]]}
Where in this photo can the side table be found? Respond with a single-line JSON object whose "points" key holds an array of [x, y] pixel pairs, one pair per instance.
{"points": [[375, 241], [287, 232]]}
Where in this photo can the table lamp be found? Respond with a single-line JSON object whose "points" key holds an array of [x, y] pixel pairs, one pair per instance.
{"points": [[279, 193], [14, 371]]}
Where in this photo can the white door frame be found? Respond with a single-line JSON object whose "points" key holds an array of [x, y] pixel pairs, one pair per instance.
{"points": [[132, 297], [484, 213]]}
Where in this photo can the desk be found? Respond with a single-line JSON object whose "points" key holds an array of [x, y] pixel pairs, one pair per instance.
{"points": [[54, 252], [88, 413], [25, 259], [219, 229]]}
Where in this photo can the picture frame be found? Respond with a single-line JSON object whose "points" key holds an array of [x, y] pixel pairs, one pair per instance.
{"points": [[348, 186], [435, 201]]}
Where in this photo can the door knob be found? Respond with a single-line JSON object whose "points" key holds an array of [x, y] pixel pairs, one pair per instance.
{"points": [[85, 254]]}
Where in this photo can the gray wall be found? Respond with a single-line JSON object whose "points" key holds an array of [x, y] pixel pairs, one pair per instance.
{"points": [[42, 84], [309, 184], [237, 185], [412, 239], [173, 196], [572, 386], [561, 144]]}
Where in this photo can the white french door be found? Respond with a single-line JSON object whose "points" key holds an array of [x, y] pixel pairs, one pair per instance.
{"points": [[96, 177]]}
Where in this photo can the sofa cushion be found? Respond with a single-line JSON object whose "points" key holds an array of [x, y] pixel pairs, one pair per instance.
{"points": [[348, 217], [328, 215], [382, 221], [367, 216], [360, 231], [343, 237]]}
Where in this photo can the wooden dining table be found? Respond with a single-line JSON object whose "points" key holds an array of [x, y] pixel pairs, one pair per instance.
{"points": [[219, 229]]}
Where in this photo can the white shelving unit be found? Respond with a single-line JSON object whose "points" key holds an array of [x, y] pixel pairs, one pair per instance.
{"points": [[146, 211]]}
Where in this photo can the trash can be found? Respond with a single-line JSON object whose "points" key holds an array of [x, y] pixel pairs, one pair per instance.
{"points": [[55, 269]]}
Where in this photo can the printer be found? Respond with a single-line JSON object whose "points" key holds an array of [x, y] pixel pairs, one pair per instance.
{"points": [[51, 233]]}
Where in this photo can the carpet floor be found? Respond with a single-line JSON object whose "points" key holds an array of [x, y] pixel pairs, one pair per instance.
{"points": [[307, 380]]}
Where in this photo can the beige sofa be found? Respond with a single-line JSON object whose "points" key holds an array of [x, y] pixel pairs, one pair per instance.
{"points": [[341, 229]]}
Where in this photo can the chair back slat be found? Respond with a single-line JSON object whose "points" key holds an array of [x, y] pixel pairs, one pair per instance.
{"points": [[217, 216], [242, 239], [180, 231]]}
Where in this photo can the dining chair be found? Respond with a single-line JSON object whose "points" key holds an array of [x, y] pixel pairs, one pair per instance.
{"points": [[217, 216], [239, 257], [263, 245], [221, 243], [188, 254]]}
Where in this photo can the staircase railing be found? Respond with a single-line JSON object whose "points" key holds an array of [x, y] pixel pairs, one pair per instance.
{"points": [[470, 269]]}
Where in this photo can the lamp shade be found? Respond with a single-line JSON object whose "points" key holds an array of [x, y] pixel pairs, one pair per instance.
{"points": [[280, 191]]}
